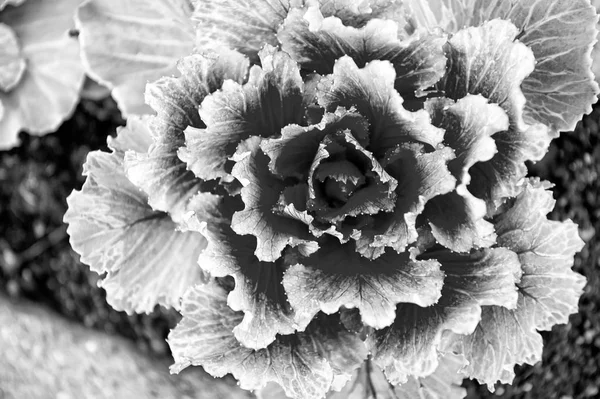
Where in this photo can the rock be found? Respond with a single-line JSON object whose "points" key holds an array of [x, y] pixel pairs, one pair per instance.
{"points": [[43, 356]]}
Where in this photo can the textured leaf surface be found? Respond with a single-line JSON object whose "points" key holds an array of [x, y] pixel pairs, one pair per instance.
{"points": [[371, 91], [317, 42], [304, 364], [12, 63], [486, 60], [159, 171], [456, 218], [410, 346], [243, 25], [54, 73], [258, 291], [260, 194], [125, 44], [271, 99], [548, 291], [338, 276], [421, 176], [115, 231], [369, 382], [559, 32]]}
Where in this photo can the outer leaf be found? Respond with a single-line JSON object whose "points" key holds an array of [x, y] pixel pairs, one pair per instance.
{"points": [[559, 32], [125, 44], [548, 290], [369, 382], [159, 171], [457, 218], [317, 42], [410, 346], [115, 231], [54, 73], [371, 91], [258, 289], [487, 61], [243, 25], [338, 276], [271, 99], [260, 194], [305, 364], [12, 63]]}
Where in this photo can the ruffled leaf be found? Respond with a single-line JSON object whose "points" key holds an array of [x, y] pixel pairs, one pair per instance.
{"points": [[126, 44], [370, 90], [115, 231], [457, 221], [260, 194], [358, 13], [243, 25], [369, 382], [421, 176], [12, 63], [338, 276], [317, 42], [548, 291], [561, 35], [258, 288], [292, 154], [457, 218], [487, 60], [304, 364], [159, 171], [54, 74], [410, 346], [271, 99], [331, 199]]}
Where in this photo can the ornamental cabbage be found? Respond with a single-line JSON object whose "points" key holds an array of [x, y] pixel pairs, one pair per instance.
{"points": [[334, 193], [40, 68]]}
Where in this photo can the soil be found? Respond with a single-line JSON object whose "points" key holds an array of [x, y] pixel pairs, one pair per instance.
{"points": [[37, 263]]}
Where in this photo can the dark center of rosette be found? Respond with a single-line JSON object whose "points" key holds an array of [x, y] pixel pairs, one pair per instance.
{"points": [[346, 181]]}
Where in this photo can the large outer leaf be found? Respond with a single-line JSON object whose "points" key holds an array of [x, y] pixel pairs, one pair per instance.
{"points": [[54, 73], [125, 44], [115, 231], [487, 60], [304, 364], [561, 34], [548, 291], [410, 346]]}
